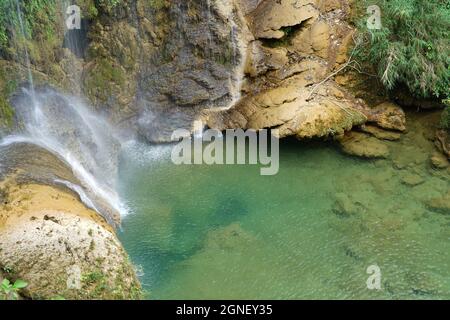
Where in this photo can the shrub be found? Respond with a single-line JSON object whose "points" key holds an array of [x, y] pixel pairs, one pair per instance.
{"points": [[445, 119], [412, 47]]}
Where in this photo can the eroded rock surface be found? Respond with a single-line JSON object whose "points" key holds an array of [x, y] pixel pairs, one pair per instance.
{"points": [[363, 145], [61, 248], [289, 82]]}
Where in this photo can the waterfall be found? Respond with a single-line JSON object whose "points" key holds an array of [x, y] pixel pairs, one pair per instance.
{"points": [[239, 48], [27, 56], [65, 126]]}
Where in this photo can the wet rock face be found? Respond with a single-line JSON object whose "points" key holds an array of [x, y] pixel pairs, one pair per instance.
{"points": [[196, 67], [165, 61]]}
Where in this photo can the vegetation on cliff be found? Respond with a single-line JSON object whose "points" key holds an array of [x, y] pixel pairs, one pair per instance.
{"points": [[445, 119], [412, 47]]}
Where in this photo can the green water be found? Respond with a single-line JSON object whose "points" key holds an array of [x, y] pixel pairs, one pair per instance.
{"points": [[216, 232]]}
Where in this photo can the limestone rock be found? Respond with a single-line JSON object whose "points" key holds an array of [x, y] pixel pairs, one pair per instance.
{"points": [[443, 142], [389, 116], [380, 133], [261, 59], [320, 35], [286, 109], [411, 179], [439, 161], [363, 145], [345, 206], [60, 248], [271, 16]]}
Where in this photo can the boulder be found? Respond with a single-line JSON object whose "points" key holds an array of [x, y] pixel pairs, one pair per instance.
{"points": [[49, 239], [412, 180], [381, 133], [439, 161], [440, 204], [389, 116], [362, 145]]}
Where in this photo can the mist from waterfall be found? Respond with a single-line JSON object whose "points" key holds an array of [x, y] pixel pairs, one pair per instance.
{"points": [[68, 127], [25, 49], [65, 126]]}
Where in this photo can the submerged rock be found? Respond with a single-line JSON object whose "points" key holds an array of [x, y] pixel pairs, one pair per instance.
{"points": [[345, 206], [362, 145], [230, 237], [439, 161], [381, 133], [61, 248], [440, 204], [411, 179]]}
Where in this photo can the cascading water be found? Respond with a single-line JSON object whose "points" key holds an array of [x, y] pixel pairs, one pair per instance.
{"points": [[66, 127], [25, 49]]}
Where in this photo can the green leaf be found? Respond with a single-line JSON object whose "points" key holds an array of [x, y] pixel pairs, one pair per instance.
{"points": [[20, 284], [6, 283]]}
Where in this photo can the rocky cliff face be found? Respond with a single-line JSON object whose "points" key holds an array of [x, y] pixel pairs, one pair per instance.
{"points": [[151, 65], [297, 47], [157, 66]]}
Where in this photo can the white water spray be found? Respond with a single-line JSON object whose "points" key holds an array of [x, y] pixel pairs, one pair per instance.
{"points": [[66, 127], [27, 56]]}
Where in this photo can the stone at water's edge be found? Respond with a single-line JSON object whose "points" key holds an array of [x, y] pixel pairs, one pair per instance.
{"points": [[362, 145], [381, 133], [388, 116], [439, 161], [59, 247], [443, 142]]}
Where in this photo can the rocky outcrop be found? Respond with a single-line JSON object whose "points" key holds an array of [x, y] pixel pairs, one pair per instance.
{"points": [[50, 238], [60, 248], [297, 48], [158, 66], [362, 145], [150, 65]]}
